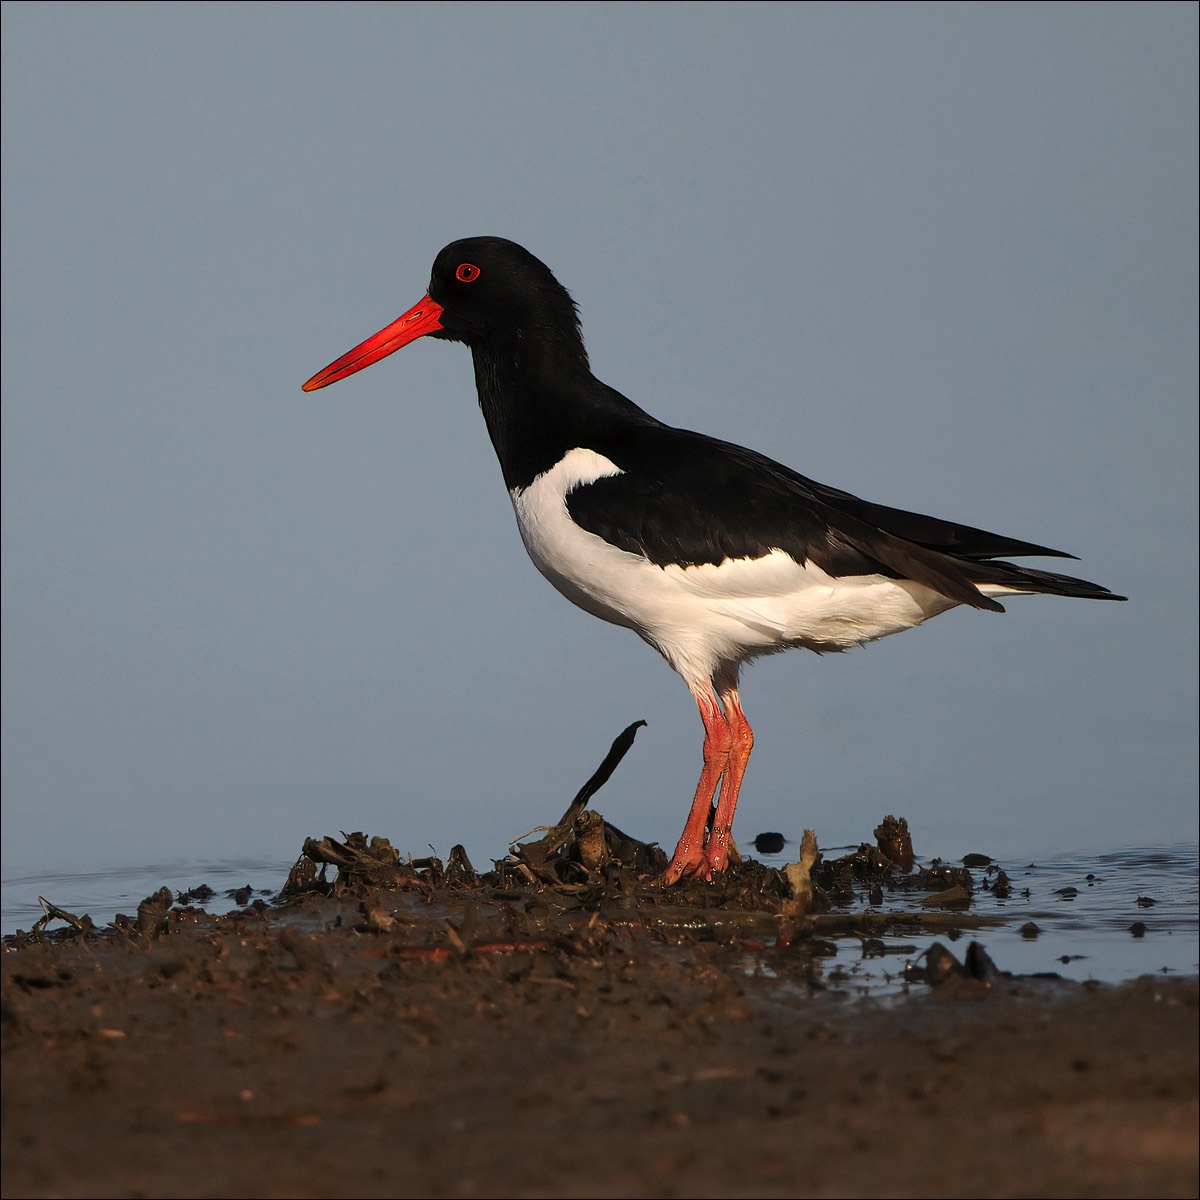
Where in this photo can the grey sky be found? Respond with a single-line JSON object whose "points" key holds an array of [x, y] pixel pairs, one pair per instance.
{"points": [[940, 256]]}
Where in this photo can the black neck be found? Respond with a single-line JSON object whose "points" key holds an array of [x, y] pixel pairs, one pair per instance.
{"points": [[540, 399]]}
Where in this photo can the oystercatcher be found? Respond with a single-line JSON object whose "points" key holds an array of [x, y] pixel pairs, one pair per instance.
{"points": [[712, 553]]}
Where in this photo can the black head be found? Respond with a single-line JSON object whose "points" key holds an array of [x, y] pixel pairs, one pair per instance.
{"points": [[489, 293], [492, 290]]}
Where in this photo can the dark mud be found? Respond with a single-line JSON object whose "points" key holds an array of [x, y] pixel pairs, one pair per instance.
{"points": [[561, 1027]]}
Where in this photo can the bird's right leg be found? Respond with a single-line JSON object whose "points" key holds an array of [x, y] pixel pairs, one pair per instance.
{"points": [[741, 742]]}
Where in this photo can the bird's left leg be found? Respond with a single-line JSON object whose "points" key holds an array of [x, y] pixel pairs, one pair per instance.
{"points": [[716, 848], [691, 855]]}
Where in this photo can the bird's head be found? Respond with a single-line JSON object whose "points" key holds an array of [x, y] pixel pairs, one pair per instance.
{"points": [[482, 291]]}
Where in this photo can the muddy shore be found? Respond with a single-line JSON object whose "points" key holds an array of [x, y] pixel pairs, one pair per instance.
{"points": [[430, 1036]]}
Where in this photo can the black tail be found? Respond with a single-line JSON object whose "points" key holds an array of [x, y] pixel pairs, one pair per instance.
{"points": [[1029, 579]]}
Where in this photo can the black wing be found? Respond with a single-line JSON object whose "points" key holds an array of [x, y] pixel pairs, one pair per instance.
{"points": [[691, 499]]}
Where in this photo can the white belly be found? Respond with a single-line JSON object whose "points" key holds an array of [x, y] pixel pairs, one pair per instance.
{"points": [[700, 617]]}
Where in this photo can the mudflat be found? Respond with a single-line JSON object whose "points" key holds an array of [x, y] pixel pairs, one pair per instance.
{"points": [[433, 1032]]}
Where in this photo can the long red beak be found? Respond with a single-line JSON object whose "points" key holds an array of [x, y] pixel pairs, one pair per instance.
{"points": [[421, 319]]}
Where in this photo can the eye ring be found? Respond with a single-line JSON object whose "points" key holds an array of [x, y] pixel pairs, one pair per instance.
{"points": [[466, 273]]}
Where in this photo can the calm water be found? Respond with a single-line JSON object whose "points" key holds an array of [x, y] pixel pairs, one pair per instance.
{"points": [[103, 894], [1083, 904]]}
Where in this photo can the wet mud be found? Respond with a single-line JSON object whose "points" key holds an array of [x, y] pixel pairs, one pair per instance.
{"points": [[562, 1026]]}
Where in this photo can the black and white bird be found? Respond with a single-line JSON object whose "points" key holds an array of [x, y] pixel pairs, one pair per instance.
{"points": [[712, 553]]}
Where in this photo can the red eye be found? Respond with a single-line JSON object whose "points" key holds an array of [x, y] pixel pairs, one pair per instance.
{"points": [[466, 273]]}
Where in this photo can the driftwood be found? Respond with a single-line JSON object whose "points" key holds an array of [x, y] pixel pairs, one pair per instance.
{"points": [[582, 844]]}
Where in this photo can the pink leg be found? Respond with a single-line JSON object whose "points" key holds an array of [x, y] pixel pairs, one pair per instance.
{"points": [[690, 857], [716, 849]]}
